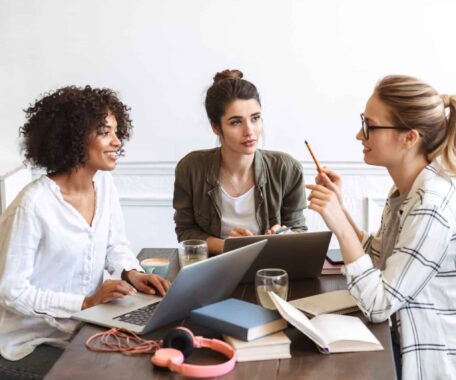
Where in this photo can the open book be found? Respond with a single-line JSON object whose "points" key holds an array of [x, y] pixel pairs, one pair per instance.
{"points": [[338, 301], [331, 332]]}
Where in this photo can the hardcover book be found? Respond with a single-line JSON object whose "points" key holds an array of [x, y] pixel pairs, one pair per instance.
{"points": [[240, 319], [274, 346]]}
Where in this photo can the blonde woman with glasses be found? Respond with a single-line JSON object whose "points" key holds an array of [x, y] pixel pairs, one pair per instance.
{"points": [[406, 271]]}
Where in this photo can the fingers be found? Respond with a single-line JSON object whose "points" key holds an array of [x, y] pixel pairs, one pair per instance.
{"points": [[240, 231], [160, 284], [119, 286], [234, 233], [110, 290], [276, 227], [151, 283], [318, 191], [331, 174]]}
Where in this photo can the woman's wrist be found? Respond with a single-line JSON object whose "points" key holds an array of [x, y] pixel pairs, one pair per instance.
{"points": [[127, 274], [87, 303]]}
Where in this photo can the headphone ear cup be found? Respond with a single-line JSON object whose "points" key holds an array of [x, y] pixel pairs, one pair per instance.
{"points": [[180, 340]]}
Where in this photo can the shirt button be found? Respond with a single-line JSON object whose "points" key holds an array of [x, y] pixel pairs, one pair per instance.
{"points": [[89, 258]]}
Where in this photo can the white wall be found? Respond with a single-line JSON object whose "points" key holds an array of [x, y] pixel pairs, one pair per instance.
{"points": [[315, 64]]}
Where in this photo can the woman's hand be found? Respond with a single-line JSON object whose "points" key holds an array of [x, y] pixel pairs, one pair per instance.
{"points": [[332, 181], [148, 283], [326, 203], [276, 227], [108, 291], [240, 231]]}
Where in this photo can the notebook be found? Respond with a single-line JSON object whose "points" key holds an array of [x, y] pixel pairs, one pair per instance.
{"points": [[196, 285], [300, 254]]}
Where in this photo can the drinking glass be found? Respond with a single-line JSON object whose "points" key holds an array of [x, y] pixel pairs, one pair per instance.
{"points": [[271, 279], [192, 251]]}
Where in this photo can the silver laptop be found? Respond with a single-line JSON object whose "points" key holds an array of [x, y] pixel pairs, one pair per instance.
{"points": [[196, 285], [301, 254]]}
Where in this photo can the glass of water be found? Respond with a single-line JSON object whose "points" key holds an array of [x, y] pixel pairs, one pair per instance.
{"points": [[192, 251], [270, 280]]}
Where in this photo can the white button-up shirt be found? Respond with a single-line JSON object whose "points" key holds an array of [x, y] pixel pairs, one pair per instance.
{"points": [[418, 282], [51, 259]]}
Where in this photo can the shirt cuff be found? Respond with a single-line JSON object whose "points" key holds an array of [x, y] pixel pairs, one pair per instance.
{"points": [[61, 305], [358, 266]]}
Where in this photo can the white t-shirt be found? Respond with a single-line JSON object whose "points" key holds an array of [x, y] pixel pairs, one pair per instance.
{"points": [[238, 212], [51, 259]]}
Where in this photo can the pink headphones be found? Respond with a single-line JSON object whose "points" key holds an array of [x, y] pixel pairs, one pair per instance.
{"points": [[179, 343]]}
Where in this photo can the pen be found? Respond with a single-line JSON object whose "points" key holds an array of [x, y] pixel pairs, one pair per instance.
{"points": [[282, 230], [313, 157]]}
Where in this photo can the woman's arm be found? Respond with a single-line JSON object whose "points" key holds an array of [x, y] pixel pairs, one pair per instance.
{"points": [[184, 217], [332, 181], [119, 256], [19, 243], [421, 247], [294, 200]]}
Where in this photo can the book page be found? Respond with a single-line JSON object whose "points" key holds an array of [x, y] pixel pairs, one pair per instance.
{"points": [[336, 301], [336, 327], [298, 320]]}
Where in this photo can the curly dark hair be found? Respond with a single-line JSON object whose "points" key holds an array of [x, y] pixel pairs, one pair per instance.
{"points": [[58, 126]]}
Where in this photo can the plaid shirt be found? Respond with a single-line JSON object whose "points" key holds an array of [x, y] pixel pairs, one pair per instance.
{"points": [[418, 282]]}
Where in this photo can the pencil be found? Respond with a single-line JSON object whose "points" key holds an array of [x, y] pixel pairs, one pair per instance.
{"points": [[313, 157], [282, 230]]}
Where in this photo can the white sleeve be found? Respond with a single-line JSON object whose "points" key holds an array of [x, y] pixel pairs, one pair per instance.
{"points": [[420, 249], [19, 243], [119, 254]]}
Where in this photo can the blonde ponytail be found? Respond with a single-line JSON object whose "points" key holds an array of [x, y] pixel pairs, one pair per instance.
{"points": [[446, 152]]}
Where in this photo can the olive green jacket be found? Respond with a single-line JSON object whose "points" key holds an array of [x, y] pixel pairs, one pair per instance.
{"points": [[279, 193]]}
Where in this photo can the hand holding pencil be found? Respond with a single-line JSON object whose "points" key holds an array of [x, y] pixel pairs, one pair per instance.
{"points": [[327, 177], [313, 157]]}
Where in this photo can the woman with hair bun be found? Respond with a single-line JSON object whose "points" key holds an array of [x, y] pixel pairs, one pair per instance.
{"points": [[64, 229], [406, 271], [236, 189]]}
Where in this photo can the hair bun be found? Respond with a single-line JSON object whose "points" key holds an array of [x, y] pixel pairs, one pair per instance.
{"points": [[228, 74]]}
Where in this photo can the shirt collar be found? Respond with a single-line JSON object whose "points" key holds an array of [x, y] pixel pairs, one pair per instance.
{"points": [[213, 174]]}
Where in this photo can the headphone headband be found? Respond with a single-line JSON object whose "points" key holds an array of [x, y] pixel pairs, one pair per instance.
{"points": [[174, 359]]}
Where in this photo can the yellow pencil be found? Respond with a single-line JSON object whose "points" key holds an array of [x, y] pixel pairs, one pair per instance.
{"points": [[313, 157]]}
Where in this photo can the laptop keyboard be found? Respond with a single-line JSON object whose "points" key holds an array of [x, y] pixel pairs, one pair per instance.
{"points": [[139, 316]]}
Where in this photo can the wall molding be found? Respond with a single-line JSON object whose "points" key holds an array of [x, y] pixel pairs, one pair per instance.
{"points": [[166, 168], [164, 200]]}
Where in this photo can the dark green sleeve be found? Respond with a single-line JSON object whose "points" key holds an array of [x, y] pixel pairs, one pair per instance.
{"points": [[184, 219], [294, 199]]}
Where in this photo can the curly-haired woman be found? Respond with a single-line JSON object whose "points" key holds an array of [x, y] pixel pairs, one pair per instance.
{"points": [[64, 229]]}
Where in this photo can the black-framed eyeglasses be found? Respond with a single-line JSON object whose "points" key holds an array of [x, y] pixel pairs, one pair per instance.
{"points": [[366, 128]]}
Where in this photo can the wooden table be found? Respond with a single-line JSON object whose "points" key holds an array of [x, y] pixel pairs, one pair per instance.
{"points": [[306, 362]]}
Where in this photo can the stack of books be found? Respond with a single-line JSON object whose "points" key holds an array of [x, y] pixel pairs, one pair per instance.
{"points": [[253, 331]]}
